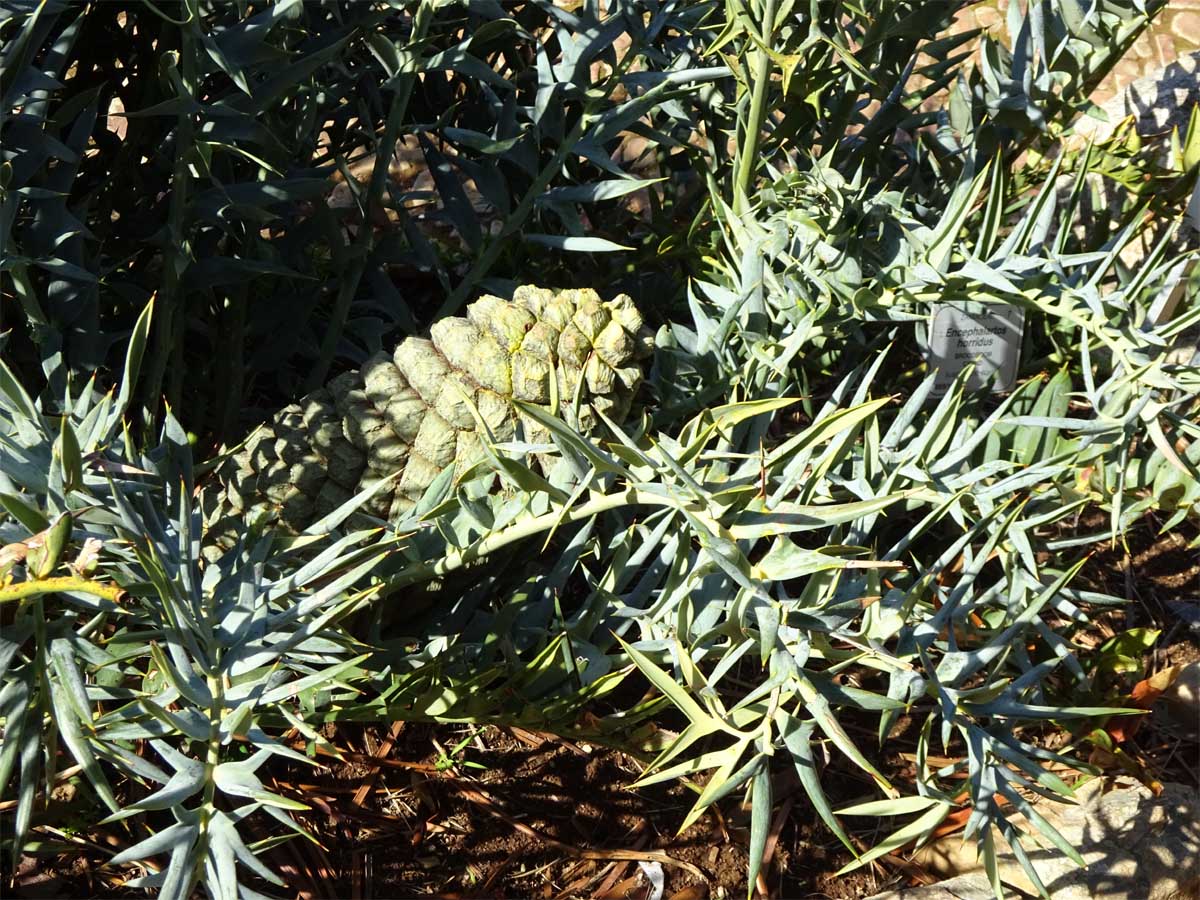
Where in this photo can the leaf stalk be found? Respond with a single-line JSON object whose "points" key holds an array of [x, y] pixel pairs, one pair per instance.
{"points": [[63, 584], [748, 155]]}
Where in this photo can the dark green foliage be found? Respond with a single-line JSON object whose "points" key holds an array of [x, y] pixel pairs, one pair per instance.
{"points": [[236, 118]]}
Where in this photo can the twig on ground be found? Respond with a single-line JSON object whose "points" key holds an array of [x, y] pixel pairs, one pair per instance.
{"points": [[911, 869], [622, 889], [369, 779], [616, 870], [498, 871], [58, 778]]}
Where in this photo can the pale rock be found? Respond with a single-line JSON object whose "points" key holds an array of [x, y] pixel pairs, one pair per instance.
{"points": [[1187, 611], [1180, 702], [964, 887], [1159, 102], [1136, 846], [1186, 26]]}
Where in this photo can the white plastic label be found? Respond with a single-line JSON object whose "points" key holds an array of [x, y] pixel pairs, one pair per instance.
{"points": [[988, 334]]}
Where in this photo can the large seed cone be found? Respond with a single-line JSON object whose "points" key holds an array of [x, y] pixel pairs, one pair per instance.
{"points": [[414, 412]]}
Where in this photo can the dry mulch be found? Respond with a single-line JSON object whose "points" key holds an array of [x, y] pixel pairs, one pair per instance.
{"points": [[549, 818]]}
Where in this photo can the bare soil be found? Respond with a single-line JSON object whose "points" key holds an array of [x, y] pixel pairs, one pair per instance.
{"points": [[548, 818]]}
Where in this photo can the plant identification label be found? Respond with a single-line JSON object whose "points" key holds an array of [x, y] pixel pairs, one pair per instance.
{"points": [[987, 334]]}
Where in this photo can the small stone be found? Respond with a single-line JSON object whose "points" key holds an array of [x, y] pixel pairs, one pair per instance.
{"points": [[1126, 71], [1186, 27], [988, 18], [1143, 47], [1181, 702], [964, 887], [1188, 611], [1137, 847], [1164, 48]]}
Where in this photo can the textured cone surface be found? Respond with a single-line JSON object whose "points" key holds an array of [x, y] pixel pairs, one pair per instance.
{"points": [[412, 414]]}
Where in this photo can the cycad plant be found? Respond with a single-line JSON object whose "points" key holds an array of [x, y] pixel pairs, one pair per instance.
{"points": [[123, 657], [796, 527], [916, 540]]}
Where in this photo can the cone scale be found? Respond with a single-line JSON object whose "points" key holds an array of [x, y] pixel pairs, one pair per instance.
{"points": [[413, 413]]}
